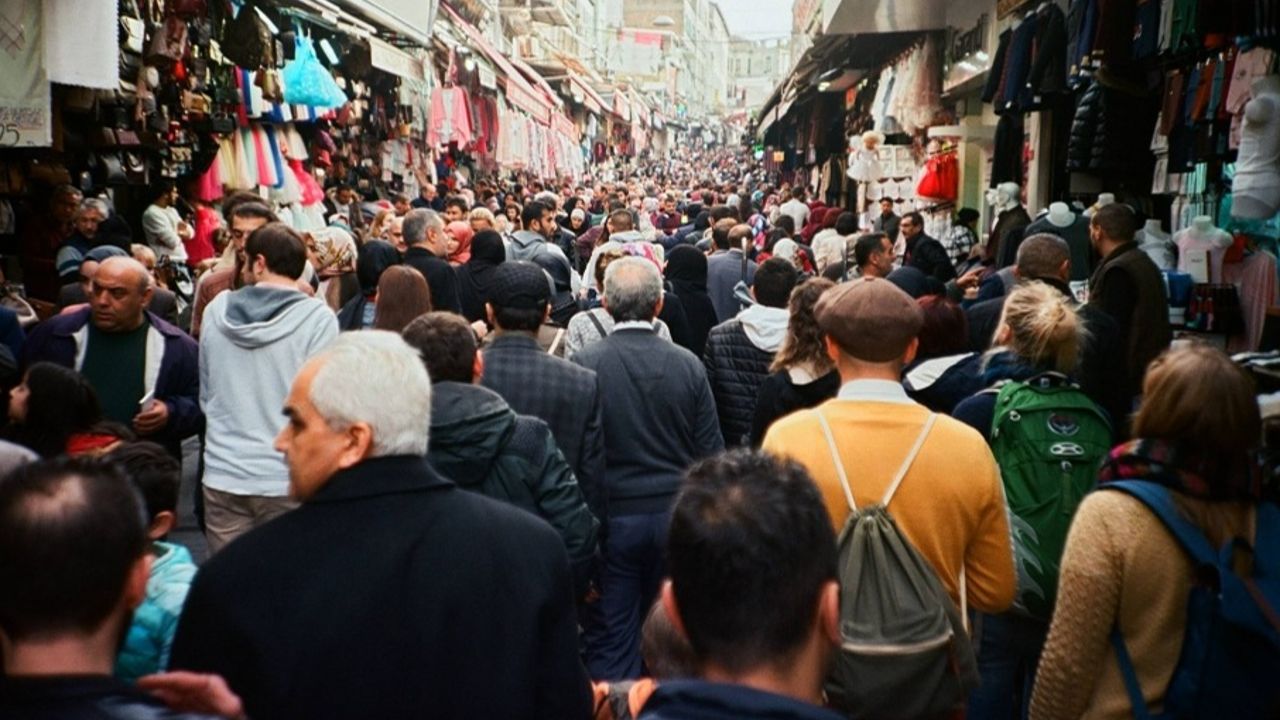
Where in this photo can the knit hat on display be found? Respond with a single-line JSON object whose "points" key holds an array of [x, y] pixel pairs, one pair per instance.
{"points": [[870, 319]]}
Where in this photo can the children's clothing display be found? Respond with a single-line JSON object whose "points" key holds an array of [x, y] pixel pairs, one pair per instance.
{"points": [[1193, 245]]}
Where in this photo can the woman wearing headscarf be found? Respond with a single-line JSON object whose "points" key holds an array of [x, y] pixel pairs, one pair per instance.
{"points": [[487, 253], [459, 234], [375, 257], [332, 252], [817, 216], [686, 274]]}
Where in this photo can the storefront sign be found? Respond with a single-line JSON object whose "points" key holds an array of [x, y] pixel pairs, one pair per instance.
{"points": [[488, 78], [25, 114], [967, 55], [389, 58]]}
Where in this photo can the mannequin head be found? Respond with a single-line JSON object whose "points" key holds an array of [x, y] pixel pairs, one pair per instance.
{"points": [[992, 197], [1106, 199], [872, 139], [1202, 223], [1060, 214], [1008, 194]]}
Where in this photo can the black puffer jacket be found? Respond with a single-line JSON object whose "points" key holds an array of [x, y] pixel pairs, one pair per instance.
{"points": [[1110, 120], [737, 359], [480, 443]]}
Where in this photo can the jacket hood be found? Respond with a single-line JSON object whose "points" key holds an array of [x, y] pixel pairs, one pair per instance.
{"points": [[627, 236], [766, 327], [470, 424], [525, 238], [261, 314]]}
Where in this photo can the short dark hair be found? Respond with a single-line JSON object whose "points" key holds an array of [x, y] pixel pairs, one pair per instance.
{"points": [[155, 473], [774, 281], [253, 210], [915, 218], [884, 200], [447, 345], [797, 193], [1118, 222], [519, 319], [280, 246], [720, 212], [621, 221], [787, 223], [61, 402], [749, 549], [533, 210], [720, 232], [865, 246], [400, 198], [846, 223], [457, 201], [70, 531]]}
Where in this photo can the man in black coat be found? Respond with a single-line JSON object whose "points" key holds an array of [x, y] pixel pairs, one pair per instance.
{"points": [[659, 417], [391, 592], [424, 234], [1102, 375], [924, 252], [534, 382]]}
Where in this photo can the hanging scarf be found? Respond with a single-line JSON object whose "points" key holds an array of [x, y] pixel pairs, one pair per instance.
{"points": [[1158, 461]]}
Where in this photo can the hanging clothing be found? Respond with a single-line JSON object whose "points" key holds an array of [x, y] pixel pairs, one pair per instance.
{"points": [[1256, 279], [1048, 74], [450, 120]]}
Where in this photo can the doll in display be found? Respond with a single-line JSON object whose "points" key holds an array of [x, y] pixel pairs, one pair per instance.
{"points": [[864, 158]]}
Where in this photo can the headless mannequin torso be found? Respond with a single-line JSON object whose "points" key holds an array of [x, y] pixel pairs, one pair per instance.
{"points": [[1158, 245], [1198, 241]]}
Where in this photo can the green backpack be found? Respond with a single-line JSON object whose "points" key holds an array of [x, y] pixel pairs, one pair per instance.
{"points": [[1049, 439]]}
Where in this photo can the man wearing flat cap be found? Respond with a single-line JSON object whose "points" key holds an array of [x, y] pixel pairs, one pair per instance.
{"points": [[950, 504]]}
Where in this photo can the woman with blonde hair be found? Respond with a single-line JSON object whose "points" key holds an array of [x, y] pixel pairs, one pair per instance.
{"points": [[1124, 573], [481, 219], [803, 374], [380, 228], [1038, 337]]}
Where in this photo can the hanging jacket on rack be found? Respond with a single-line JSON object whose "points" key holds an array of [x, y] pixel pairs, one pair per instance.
{"points": [[1109, 121], [1048, 75], [1082, 27], [1018, 65], [992, 85]]}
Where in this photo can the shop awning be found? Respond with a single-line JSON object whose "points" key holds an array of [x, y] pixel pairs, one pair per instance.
{"points": [[389, 58], [537, 81], [519, 91], [590, 98]]}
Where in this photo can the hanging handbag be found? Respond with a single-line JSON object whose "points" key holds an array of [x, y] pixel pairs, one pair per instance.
{"points": [[133, 31], [187, 8], [12, 299], [307, 82], [247, 40], [109, 169], [168, 42], [135, 168]]}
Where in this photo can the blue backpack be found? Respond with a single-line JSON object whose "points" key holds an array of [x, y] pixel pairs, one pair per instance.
{"points": [[1229, 666]]}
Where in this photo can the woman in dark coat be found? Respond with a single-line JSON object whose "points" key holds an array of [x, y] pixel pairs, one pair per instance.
{"points": [[487, 253], [687, 274], [375, 257]]}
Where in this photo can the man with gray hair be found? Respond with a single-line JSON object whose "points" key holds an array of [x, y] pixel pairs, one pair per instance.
{"points": [[144, 370], [1046, 258], [391, 592], [423, 232], [659, 417]]}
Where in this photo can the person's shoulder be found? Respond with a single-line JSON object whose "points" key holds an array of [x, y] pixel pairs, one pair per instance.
{"points": [[962, 442], [801, 423]]}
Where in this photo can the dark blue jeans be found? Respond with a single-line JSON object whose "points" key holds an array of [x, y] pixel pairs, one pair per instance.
{"points": [[633, 572], [1008, 648]]}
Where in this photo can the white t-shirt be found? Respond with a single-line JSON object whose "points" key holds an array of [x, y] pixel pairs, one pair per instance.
{"points": [[160, 228], [798, 212]]}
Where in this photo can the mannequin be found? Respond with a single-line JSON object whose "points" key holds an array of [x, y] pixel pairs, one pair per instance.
{"points": [[1073, 228], [1010, 217], [1199, 241], [1257, 184], [864, 157], [1158, 245], [1104, 199]]}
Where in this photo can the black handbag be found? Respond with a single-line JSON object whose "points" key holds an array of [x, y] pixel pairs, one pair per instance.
{"points": [[108, 169], [247, 41]]}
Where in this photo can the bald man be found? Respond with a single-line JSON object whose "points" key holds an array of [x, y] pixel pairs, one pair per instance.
{"points": [[144, 370]]}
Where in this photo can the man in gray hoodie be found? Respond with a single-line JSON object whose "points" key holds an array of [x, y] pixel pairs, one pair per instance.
{"points": [[740, 351], [254, 341]]}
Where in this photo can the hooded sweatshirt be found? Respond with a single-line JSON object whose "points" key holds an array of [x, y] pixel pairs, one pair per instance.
{"points": [[739, 353], [254, 341]]}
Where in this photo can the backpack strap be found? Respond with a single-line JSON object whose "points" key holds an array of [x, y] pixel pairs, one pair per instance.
{"points": [[1159, 500], [1130, 676], [555, 344], [599, 325], [911, 458], [835, 459]]}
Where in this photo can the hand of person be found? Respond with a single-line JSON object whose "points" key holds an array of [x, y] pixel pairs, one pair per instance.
{"points": [[480, 329], [969, 279], [194, 693], [153, 420], [185, 231]]}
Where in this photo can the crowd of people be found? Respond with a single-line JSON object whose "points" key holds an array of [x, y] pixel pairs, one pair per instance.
{"points": [[688, 445]]}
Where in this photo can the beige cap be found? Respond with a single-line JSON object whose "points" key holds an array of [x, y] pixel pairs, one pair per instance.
{"points": [[871, 319]]}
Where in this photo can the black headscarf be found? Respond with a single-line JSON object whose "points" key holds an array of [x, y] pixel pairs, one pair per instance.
{"points": [[375, 257], [487, 253], [687, 274]]}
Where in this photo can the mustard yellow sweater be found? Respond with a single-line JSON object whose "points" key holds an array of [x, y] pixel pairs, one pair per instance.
{"points": [[950, 504], [1121, 566]]}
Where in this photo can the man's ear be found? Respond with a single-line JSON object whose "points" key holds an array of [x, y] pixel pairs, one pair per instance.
{"points": [[162, 524], [912, 348], [668, 599], [359, 443], [833, 350], [829, 612]]}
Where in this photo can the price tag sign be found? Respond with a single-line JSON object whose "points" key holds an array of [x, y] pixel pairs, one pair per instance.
{"points": [[25, 116]]}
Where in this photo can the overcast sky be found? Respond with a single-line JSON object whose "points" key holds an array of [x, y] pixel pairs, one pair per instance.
{"points": [[756, 19]]}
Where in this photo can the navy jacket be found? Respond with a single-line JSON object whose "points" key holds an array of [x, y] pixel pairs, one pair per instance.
{"points": [[391, 593], [658, 415], [177, 385], [699, 700]]}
